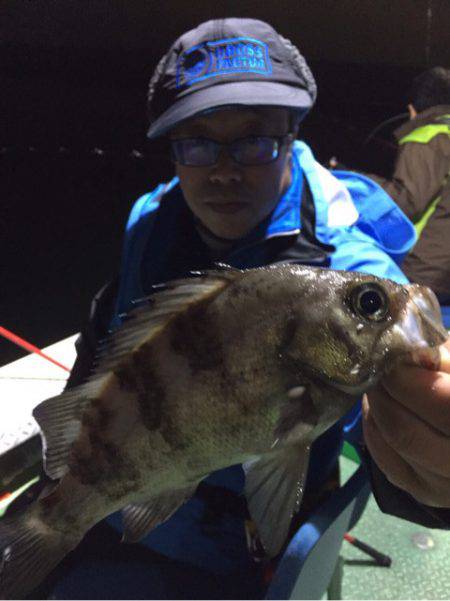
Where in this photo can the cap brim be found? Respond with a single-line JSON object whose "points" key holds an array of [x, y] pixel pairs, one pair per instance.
{"points": [[239, 93]]}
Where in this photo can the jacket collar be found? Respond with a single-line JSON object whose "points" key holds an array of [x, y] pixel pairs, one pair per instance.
{"points": [[426, 117], [285, 218]]}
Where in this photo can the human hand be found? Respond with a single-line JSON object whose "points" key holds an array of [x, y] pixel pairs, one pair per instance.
{"points": [[406, 424]]}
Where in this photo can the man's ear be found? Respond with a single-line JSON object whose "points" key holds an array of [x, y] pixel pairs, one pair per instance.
{"points": [[290, 145], [289, 151], [412, 111]]}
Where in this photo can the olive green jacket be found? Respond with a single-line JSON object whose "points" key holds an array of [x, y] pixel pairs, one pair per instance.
{"points": [[420, 185]]}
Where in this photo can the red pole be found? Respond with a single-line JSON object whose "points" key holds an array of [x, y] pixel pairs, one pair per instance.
{"points": [[29, 347], [380, 558]]}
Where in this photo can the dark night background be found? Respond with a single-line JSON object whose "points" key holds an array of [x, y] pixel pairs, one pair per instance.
{"points": [[73, 80]]}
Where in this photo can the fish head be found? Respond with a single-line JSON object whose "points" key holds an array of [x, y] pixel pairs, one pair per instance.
{"points": [[340, 332], [357, 326]]}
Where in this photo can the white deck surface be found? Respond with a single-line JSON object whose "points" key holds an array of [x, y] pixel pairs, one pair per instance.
{"points": [[24, 384]]}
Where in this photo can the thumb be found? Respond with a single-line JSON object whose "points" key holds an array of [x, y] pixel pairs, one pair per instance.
{"points": [[445, 357]]}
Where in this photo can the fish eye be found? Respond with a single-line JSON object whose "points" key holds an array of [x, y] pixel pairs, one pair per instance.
{"points": [[370, 302]]}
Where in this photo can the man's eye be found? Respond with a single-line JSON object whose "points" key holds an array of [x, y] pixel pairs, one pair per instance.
{"points": [[197, 143], [253, 141]]}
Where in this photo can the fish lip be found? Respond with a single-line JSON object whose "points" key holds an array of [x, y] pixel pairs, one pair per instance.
{"points": [[420, 327], [426, 356], [369, 378], [359, 388], [432, 321]]}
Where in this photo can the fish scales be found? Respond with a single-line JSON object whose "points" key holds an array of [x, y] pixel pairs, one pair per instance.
{"points": [[229, 367]]}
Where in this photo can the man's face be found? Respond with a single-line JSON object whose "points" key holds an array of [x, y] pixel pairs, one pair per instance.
{"points": [[228, 198]]}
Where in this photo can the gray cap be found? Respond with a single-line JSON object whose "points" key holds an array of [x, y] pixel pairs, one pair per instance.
{"points": [[228, 62]]}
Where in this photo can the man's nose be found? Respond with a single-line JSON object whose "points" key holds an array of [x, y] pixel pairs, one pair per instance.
{"points": [[226, 170]]}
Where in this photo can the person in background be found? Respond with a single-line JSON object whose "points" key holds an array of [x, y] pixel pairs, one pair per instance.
{"points": [[420, 183], [228, 97]]}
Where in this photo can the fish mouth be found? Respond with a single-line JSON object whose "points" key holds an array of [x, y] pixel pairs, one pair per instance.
{"points": [[427, 304], [420, 330], [367, 379], [358, 388]]}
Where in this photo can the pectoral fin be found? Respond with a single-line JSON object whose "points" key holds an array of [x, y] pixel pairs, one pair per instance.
{"points": [[274, 489], [140, 519]]}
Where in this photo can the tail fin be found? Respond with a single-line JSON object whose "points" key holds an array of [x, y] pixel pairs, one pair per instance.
{"points": [[29, 550]]}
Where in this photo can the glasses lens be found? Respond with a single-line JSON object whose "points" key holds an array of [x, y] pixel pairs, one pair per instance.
{"points": [[255, 150], [195, 152]]}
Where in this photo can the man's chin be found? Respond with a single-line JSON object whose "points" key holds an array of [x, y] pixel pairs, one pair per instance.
{"points": [[226, 234]]}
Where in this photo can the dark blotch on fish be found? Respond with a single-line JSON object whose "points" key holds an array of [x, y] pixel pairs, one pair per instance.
{"points": [[125, 375], [139, 374], [89, 458], [194, 336], [97, 416], [50, 501], [172, 436], [151, 391], [290, 331]]}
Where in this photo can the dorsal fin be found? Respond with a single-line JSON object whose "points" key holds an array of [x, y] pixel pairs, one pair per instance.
{"points": [[60, 417], [156, 310]]}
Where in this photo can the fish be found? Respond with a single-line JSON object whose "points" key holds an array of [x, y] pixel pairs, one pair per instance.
{"points": [[221, 368]]}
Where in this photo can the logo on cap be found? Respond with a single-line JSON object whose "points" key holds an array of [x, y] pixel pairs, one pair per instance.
{"points": [[221, 58]]}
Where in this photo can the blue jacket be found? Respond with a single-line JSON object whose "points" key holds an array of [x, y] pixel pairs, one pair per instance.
{"points": [[354, 214], [368, 232]]}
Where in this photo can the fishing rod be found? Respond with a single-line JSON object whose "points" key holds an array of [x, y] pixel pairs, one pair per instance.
{"points": [[380, 126], [29, 347]]}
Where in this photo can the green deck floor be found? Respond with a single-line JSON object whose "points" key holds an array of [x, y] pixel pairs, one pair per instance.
{"points": [[420, 558]]}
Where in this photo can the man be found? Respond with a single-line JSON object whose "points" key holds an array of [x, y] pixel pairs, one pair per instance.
{"points": [[420, 183], [229, 95]]}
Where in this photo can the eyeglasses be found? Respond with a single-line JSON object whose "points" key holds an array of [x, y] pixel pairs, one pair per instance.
{"points": [[252, 150]]}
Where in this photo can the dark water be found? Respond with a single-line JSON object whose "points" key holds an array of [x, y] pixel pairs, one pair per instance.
{"points": [[64, 204]]}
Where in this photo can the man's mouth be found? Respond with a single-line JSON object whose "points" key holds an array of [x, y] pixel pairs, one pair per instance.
{"points": [[227, 207]]}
